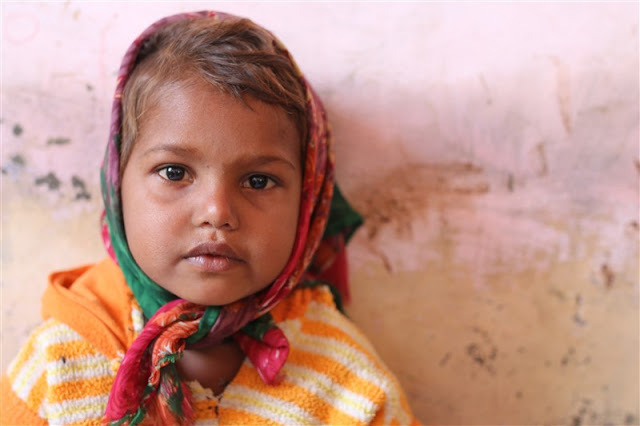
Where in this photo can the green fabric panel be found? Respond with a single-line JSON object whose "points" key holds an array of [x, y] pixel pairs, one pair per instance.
{"points": [[258, 327], [342, 217], [208, 319]]}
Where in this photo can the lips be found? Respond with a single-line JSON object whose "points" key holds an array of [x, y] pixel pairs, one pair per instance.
{"points": [[212, 257]]}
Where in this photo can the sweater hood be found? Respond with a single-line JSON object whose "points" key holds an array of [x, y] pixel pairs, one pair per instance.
{"points": [[95, 301]]}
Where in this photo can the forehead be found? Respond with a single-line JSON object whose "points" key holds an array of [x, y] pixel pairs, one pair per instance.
{"points": [[190, 111]]}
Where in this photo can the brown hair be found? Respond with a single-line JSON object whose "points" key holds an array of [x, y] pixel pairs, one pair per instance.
{"points": [[234, 55]]}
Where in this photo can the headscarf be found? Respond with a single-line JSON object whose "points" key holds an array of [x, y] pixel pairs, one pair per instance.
{"points": [[147, 382]]}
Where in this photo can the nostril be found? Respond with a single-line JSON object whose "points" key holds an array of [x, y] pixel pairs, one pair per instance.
{"points": [[217, 212]]}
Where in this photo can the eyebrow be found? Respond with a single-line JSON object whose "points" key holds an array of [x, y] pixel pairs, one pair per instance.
{"points": [[258, 160], [176, 149], [261, 160]]}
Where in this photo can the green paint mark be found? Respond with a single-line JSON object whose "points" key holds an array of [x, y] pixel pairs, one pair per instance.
{"points": [[18, 160], [51, 180], [58, 141], [78, 183], [17, 129]]}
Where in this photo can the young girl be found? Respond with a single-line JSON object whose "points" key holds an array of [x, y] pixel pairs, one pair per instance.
{"points": [[223, 224]]}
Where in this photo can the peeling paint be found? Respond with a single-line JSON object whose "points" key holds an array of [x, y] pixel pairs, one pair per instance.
{"points": [[510, 182], [607, 275], [484, 353], [58, 141], [397, 197], [18, 160], [79, 184], [15, 166], [544, 167], [17, 129], [50, 180], [563, 92]]}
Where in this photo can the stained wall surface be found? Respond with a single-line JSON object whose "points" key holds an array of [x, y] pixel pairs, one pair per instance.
{"points": [[492, 149]]}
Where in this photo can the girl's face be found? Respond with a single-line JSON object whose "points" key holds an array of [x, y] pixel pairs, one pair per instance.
{"points": [[211, 193]]}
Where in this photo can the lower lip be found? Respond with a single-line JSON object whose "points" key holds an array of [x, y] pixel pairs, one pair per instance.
{"points": [[208, 263]]}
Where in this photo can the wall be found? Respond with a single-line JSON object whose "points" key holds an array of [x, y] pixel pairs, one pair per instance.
{"points": [[492, 148]]}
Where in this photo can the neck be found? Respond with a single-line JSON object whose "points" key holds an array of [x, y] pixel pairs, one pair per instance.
{"points": [[213, 367]]}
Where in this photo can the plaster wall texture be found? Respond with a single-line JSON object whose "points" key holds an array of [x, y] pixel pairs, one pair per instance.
{"points": [[492, 148]]}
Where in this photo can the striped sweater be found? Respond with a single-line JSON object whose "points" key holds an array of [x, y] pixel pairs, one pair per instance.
{"points": [[64, 373]]}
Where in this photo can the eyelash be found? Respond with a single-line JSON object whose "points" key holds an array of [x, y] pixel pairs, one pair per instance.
{"points": [[269, 184], [165, 169], [163, 173]]}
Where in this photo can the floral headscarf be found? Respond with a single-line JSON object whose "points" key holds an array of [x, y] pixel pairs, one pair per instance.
{"points": [[147, 382]]}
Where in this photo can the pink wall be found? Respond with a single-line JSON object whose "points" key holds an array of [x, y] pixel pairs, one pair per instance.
{"points": [[492, 148]]}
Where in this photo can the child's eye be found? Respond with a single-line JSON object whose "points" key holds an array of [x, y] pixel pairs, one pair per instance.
{"points": [[259, 182], [173, 173]]}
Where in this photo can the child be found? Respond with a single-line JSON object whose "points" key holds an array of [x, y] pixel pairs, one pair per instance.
{"points": [[222, 223]]}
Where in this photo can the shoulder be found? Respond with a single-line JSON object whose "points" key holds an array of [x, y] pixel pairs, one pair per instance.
{"points": [[58, 376], [298, 302], [309, 315], [333, 374]]}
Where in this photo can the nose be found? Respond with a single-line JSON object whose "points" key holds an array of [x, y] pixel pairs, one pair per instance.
{"points": [[215, 207]]}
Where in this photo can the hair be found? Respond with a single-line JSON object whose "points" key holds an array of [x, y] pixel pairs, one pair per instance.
{"points": [[234, 55]]}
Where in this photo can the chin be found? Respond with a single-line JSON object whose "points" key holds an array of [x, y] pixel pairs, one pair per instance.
{"points": [[207, 292], [212, 300]]}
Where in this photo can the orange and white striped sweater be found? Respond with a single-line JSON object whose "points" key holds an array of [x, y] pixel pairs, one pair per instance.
{"points": [[64, 372]]}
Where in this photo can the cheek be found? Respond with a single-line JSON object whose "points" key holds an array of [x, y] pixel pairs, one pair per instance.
{"points": [[140, 218], [280, 234], [150, 248]]}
